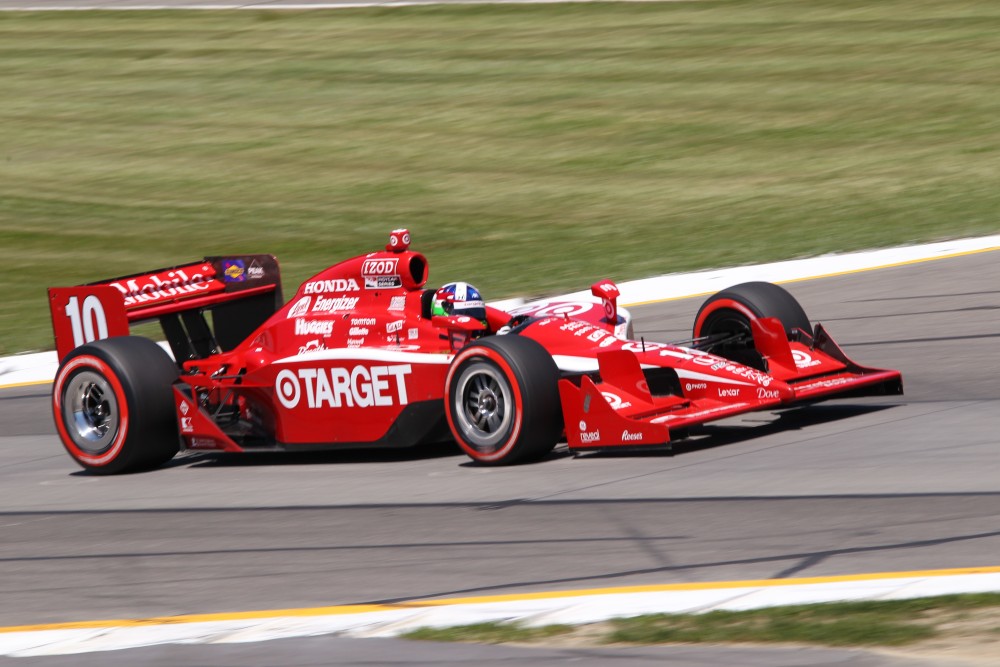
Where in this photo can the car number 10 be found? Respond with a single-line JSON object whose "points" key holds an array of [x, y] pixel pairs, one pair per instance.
{"points": [[83, 322]]}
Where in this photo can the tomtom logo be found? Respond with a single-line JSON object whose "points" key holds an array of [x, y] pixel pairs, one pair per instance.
{"points": [[359, 387], [631, 437], [313, 327], [335, 285]]}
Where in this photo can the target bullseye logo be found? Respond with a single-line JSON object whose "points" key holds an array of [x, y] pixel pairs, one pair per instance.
{"points": [[287, 384], [803, 359], [560, 309]]}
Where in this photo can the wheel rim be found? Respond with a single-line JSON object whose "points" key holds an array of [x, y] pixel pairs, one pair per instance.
{"points": [[483, 407], [90, 412]]}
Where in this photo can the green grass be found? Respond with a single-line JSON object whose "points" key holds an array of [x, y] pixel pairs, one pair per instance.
{"points": [[490, 633], [530, 149], [891, 623]]}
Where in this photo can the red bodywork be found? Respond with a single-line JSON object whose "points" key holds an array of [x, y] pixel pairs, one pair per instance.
{"points": [[354, 358]]}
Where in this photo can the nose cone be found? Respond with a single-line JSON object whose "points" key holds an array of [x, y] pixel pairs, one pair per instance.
{"points": [[770, 389]]}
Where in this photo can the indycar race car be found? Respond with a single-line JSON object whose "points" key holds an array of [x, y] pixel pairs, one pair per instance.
{"points": [[364, 356]]}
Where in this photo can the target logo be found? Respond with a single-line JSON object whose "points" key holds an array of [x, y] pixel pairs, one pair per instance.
{"points": [[804, 360], [399, 239], [359, 387], [615, 401], [556, 309]]}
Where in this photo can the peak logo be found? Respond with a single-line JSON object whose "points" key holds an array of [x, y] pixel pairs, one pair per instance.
{"points": [[255, 271]]}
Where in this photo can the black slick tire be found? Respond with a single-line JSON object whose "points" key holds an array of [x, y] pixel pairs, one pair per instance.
{"points": [[502, 400], [730, 312], [113, 405]]}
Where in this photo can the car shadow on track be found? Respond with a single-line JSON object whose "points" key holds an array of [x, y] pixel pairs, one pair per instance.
{"points": [[331, 457], [753, 426], [748, 427]]}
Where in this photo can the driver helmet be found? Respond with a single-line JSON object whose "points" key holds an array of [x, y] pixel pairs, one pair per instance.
{"points": [[459, 299]]}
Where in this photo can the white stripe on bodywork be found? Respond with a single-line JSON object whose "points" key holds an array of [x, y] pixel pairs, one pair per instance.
{"points": [[369, 354], [676, 353], [565, 363], [571, 364], [696, 415], [694, 375]]}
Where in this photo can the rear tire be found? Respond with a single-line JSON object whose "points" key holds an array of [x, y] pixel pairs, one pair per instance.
{"points": [[502, 400], [113, 405], [730, 312]]}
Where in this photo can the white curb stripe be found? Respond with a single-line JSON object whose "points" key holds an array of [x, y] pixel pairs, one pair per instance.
{"points": [[684, 285], [570, 609], [41, 367]]}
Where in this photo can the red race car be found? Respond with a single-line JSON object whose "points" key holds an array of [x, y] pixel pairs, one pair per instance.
{"points": [[364, 356]]}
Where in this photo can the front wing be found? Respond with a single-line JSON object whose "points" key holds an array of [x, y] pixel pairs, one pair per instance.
{"points": [[618, 411]]}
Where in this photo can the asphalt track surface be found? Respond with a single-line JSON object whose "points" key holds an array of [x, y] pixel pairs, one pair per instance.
{"points": [[844, 487]]}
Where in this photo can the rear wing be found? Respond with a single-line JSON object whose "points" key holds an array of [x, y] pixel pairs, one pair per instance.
{"points": [[241, 292]]}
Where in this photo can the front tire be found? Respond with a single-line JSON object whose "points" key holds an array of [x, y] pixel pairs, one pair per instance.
{"points": [[113, 405], [502, 400], [727, 315]]}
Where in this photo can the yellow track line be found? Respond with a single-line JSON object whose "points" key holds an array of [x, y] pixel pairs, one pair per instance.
{"points": [[33, 383], [421, 604]]}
